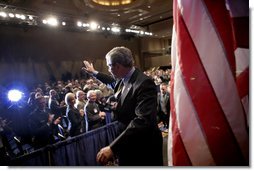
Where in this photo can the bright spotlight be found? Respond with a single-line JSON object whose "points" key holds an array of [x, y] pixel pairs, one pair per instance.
{"points": [[14, 95], [44, 21], [22, 17], [115, 29], [52, 21], [3, 14], [79, 23], [93, 25], [11, 15]]}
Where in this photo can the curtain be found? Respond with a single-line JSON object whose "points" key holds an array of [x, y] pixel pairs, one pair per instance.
{"points": [[76, 151]]}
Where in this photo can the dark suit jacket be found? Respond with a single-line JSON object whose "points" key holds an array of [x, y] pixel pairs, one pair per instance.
{"points": [[140, 143], [167, 101], [92, 111], [55, 108], [77, 121], [41, 132]]}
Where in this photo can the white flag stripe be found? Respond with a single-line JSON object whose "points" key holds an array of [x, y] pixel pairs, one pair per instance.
{"points": [[170, 133], [170, 142], [198, 154], [173, 48], [216, 65], [242, 60]]}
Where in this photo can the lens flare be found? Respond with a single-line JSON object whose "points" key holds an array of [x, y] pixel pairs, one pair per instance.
{"points": [[14, 95]]}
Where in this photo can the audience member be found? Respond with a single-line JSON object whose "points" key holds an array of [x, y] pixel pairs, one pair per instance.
{"points": [[163, 105], [43, 127], [74, 115], [80, 100], [95, 117], [53, 104]]}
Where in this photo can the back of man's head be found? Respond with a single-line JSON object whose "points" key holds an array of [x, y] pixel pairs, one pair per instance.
{"points": [[121, 55]]}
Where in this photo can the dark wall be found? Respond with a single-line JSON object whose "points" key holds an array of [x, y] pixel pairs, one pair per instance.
{"points": [[34, 55]]}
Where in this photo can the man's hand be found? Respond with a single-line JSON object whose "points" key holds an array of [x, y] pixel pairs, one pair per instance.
{"points": [[102, 115], [88, 67], [50, 118], [57, 121], [104, 155], [81, 112]]}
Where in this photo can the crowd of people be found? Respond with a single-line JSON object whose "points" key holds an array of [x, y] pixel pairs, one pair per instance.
{"points": [[60, 110]]}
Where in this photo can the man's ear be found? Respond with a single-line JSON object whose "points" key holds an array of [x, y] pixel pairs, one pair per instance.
{"points": [[117, 65]]}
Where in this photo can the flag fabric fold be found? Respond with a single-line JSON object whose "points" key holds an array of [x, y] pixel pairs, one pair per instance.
{"points": [[209, 84]]}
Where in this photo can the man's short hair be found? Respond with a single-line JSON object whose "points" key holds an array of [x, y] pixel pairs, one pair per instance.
{"points": [[121, 55]]}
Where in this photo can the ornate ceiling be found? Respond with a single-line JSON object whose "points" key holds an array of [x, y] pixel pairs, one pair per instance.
{"points": [[153, 15]]}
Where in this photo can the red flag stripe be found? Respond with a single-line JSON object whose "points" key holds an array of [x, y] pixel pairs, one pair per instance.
{"points": [[241, 31], [245, 102], [216, 64]]}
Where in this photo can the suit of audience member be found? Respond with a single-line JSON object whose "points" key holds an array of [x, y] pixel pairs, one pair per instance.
{"points": [[95, 117], [100, 100], [164, 105], [140, 142], [42, 125], [31, 103], [75, 117], [104, 106], [80, 100], [53, 104]]}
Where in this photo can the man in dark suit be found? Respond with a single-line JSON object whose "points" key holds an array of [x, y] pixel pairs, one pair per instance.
{"points": [[42, 125], [95, 117], [75, 116], [164, 105], [140, 142]]}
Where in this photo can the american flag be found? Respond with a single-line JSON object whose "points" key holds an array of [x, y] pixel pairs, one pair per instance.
{"points": [[209, 83]]}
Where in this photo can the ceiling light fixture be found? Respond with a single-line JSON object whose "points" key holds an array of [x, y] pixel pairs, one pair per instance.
{"points": [[113, 2], [14, 15]]}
